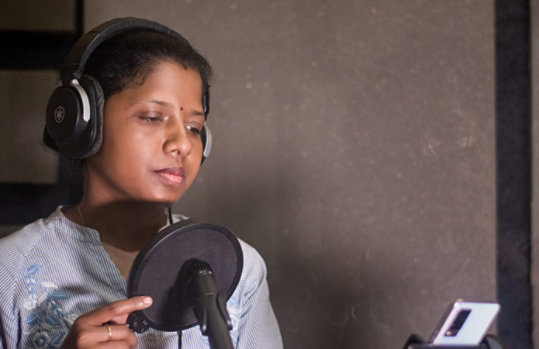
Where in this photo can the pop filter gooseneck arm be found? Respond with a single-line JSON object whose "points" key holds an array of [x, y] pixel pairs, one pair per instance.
{"points": [[190, 269]]}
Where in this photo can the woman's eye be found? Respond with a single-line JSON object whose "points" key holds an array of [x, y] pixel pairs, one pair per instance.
{"points": [[194, 129], [150, 119]]}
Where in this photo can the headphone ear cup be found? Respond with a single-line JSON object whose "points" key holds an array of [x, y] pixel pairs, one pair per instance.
{"points": [[64, 117], [74, 118]]}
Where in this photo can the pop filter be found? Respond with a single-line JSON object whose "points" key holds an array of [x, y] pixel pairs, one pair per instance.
{"points": [[156, 271]]}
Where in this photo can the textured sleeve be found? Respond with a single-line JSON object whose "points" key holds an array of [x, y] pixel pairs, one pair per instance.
{"points": [[258, 325], [12, 257], [8, 325]]}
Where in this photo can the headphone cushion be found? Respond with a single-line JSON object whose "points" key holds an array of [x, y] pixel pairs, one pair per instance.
{"points": [[92, 138]]}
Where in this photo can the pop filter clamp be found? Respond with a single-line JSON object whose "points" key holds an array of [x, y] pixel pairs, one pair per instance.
{"points": [[190, 269]]}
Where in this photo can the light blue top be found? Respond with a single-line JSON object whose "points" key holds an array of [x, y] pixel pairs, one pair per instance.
{"points": [[53, 270]]}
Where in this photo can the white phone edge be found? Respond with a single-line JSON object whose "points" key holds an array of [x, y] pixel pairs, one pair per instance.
{"points": [[474, 327]]}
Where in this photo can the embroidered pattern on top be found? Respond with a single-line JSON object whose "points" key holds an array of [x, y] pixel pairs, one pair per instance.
{"points": [[47, 322]]}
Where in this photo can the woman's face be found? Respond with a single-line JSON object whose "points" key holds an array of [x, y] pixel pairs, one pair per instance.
{"points": [[152, 147]]}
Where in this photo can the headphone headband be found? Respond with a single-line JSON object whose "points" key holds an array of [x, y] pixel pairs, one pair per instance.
{"points": [[86, 45]]}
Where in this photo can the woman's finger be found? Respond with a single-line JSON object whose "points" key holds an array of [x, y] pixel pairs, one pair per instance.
{"points": [[116, 312], [106, 326], [117, 332]]}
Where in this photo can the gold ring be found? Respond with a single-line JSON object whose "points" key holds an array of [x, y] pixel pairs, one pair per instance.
{"points": [[110, 332]]}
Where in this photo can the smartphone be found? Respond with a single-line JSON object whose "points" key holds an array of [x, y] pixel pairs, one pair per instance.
{"points": [[465, 323]]}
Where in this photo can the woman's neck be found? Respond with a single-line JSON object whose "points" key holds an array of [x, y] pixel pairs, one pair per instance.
{"points": [[127, 226], [124, 228]]}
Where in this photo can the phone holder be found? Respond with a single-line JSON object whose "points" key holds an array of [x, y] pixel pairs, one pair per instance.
{"points": [[489, 342]]}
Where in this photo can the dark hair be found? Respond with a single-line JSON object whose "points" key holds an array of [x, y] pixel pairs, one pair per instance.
{"points": [[127, 58]]}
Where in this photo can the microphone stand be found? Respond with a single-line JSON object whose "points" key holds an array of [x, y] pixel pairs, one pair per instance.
{"points": [[208, 303]]}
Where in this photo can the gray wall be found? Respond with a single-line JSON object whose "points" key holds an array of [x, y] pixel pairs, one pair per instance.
{"points": [[354, 148]]}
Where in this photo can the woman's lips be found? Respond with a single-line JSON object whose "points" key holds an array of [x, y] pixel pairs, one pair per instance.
{"points": [[173, 175]]}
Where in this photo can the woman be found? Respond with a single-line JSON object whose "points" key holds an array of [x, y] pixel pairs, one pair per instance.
{"points": [[63, 278]]}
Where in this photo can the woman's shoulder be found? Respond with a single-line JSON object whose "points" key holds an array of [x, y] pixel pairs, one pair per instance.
{"points": [[16, 246], [249, 252], [254, 266], [22, 239]]}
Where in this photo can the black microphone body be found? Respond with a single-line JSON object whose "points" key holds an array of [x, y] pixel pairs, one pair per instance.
{"points": [[209, 305]]}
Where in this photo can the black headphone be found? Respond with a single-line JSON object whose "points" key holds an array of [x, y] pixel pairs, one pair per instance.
{"points": [[74, 119]]}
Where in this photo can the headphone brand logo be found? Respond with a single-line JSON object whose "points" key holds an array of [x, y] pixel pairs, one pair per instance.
{"points": [[59, 114]]}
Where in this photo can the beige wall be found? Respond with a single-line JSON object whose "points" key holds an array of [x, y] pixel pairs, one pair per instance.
{"points": [[354, 148]]}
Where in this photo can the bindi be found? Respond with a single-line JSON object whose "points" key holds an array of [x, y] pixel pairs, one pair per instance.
{"points": [[181, 108]]}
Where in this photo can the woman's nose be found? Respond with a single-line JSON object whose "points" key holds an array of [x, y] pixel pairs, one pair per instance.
{"points": [[177, 140]]}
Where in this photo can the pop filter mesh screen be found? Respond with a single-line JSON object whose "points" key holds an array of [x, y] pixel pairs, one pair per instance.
{"points": [[156, 269]]}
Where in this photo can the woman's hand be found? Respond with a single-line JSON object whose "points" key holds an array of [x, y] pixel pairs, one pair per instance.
{"points": [[106, 327]]}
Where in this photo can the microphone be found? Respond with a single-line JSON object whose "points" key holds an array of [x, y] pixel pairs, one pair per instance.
{"points": [[190, 269], [208, 303]]}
